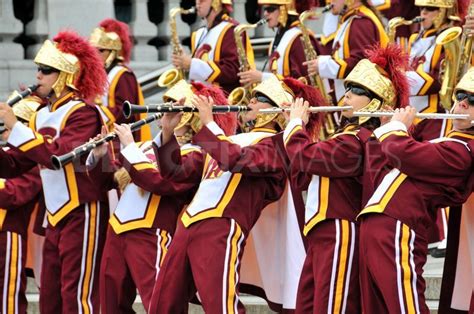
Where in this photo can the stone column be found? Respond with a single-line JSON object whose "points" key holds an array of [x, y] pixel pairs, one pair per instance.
{"points": [[82, 16], [165, 31], [9, 28], [38, 28], [142, 30]]}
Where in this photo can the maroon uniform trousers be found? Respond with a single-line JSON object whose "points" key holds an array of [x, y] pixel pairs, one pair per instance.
{"points": [[392, 256], [205, 257], [131, 260], [70, 281], [329, 280], [12, 274]]}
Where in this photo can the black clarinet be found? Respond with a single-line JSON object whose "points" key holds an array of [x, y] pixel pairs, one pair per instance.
{"points": [[60, 161], [129, 108], [25, 93]]}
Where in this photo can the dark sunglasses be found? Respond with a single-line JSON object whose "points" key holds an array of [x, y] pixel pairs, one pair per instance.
{"points": [[357, 90], [461, 95], [264, 99], [46, 70], [429, 9], [270, 8]]}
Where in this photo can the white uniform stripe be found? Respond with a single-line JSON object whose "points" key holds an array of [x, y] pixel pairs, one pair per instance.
{"points": [[226, 266], [237, 262], [413, 271], [18, 273], [335, 262], [349, 267], [158, 252], [7, 272], [444, 216], [94, 257], [399, 270], [84, 257]]}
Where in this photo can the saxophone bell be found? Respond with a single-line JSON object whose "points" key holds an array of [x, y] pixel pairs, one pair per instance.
{"points": [[172, 76]]}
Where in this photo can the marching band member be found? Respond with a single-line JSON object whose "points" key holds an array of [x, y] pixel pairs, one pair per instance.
{"points": [[398, 8], [112, 39], [70, 74], [286, 54], [141, 228], [427, 57], [18, 198], [457, 293], [331, 171], [233, 189], [360, 28], [214, 56], [405, 182]]}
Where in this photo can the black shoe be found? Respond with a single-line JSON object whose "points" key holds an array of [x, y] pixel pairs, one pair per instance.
{"points": [[438, 253]]}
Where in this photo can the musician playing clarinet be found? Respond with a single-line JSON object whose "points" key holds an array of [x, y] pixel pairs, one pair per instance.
{"points": [[70, 75]]}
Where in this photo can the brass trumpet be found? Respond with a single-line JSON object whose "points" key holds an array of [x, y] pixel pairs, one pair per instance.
{"points": [[129, 108], [59, 162]]}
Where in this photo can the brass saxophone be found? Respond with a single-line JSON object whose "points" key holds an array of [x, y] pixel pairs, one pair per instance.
{"points": [[395, 22], [466, 48], [315, 80], [241, 95], [450, 39], [170, 77]]}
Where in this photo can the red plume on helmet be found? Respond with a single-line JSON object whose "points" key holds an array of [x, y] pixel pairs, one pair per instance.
{"points": [[228, 121], [301, 5], [315, 99], [393, 63], [462, 8], [121, 29], [92, 79]]}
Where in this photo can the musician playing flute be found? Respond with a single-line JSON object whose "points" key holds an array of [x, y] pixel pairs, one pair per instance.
{"points": [[286, 53], [427, 57], [142, 226], [70, 75], [405, 182], [331, 173]]}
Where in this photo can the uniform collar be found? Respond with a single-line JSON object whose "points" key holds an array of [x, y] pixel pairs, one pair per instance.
{"points": [[61, 101], [266, 130]]}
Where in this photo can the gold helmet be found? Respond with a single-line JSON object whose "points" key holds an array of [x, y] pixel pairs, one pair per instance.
{"points": [[466, 83], [279, 94], [286, 7], [67, 64], [447, 9], [175, 93], [383, 73], [79, 64], [217, 4], [112, 35]]}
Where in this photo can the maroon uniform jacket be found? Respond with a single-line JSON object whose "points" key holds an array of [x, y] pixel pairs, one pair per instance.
{"points": [[55, 130], [167, 199], [18, 198], [214, 51], [255, 175], [409, 180], [330, 171], [286, 53]]}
